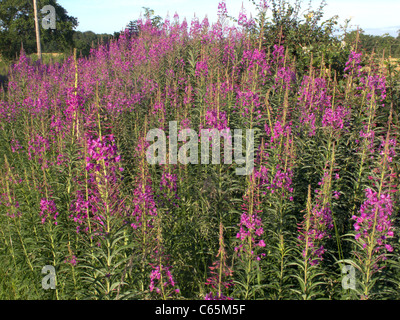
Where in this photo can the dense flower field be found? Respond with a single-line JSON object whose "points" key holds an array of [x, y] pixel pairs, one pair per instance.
{"points": [[78, 193]]}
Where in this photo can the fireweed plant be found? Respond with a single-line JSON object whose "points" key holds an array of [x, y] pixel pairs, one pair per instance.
{"points": [[77, 191]]}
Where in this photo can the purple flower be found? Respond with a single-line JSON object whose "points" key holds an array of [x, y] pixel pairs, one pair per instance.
{"points": [[164, 272], [335, 118], [211, 296], [250, 226], [48, 210], [222, 11], [373, 224]]}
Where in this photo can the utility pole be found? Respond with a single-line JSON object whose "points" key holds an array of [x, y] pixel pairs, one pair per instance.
{"points": [[39, 47]]}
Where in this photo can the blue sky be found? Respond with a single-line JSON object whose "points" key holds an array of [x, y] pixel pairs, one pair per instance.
{"points": [[107, 16]]}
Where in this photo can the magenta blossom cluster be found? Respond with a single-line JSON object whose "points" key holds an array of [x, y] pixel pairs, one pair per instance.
{"points": [[155, 279], [15, 146], [201, 69], [37, 148], [10, 203], [250, 227], [278, 131], [71, 260], [219, 280], [279, 178], [369, 136], [102, 149], [281, 182], [185, 123], [222, 11], [313, 100], [373, 83], [144, 205], [248, 101], [82, 209], [263, 5], [169, 188], [242, 21], [217, 120], [353, 64], [48, 210], [101, 163], [255, 58], [284, 74], [374, 221], [335, 119], [169, 181], [377, 85], [319, 222], [211, 296], [74, 103], [391, 152]]}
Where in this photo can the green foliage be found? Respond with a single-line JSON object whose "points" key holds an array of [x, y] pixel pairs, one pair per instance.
{"points": [[385, 44], [84, 41], [308, 38], [17, 28], [156, 20]]}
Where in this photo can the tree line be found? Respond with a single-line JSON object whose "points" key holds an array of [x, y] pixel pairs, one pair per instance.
{"points": [[17, 30], [386, 43]]}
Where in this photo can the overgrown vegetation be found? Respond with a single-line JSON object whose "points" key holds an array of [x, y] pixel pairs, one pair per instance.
{"points": [[77, 191]]}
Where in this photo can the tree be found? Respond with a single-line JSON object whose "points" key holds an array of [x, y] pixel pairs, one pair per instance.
{"points": [[17, 28], [84, 41], [134, 27], [304, 33], [378, 44]]}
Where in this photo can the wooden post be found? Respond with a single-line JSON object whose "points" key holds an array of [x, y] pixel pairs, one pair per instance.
{"points": [[39, 47]]}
